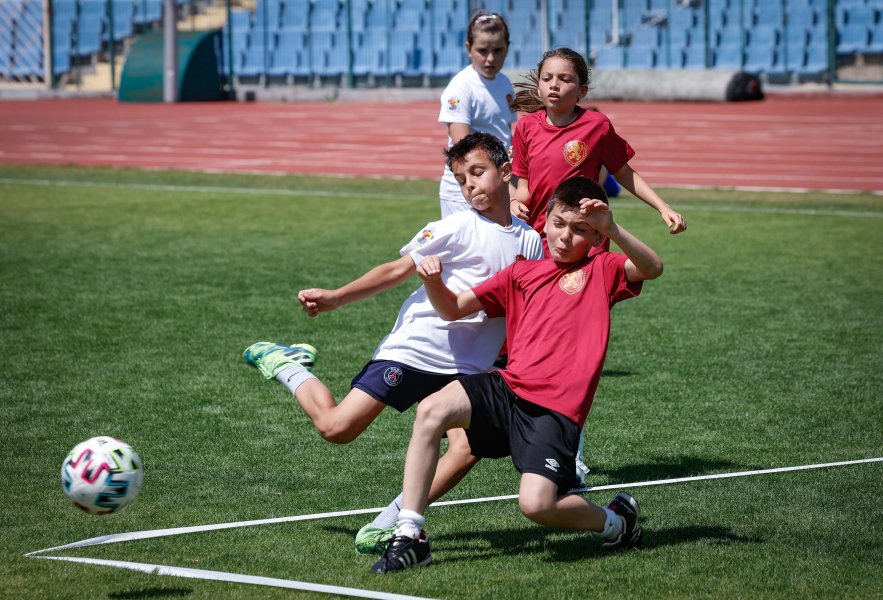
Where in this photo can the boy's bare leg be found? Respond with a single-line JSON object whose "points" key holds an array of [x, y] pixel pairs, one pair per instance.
{"points": [[447, 409], [453, 466], [538, 499], [337, 423]]}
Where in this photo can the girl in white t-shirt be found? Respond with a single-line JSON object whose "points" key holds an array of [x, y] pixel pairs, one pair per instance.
{"points": [[477, 98]]}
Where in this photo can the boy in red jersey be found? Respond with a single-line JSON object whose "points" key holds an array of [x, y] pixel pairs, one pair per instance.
{"points": [[557, 314]]}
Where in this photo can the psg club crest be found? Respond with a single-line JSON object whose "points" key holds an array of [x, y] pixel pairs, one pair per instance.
{"points": [[575, 152], [393, 376], [571, 283]]}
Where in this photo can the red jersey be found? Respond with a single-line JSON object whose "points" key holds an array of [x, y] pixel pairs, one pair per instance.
{"points": [[546, 155], [557, 326]]}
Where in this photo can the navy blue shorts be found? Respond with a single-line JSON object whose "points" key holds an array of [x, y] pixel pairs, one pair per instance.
{"points": [[539, 440], [398, 385]]}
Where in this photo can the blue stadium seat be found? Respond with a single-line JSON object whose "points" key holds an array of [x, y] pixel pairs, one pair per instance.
{"points": [[295, 16], [728, 57], [694, 57], [853, 37], [875, 45], [90, 29], [253, 62], [767, 35], [640, 57], [123, 19], [323, 18], [526, 56], [816, 61], [610, 57], [761, 59], [448, 61]]}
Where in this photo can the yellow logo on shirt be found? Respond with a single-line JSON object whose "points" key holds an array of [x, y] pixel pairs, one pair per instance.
{"points": [[575, 152], [571, 283], [453, 103], [424, 237]]}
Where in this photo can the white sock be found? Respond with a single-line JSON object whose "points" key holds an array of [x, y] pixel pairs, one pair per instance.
{"points": [[410, 523], [294, 375], [389, 515], [613, 526]]}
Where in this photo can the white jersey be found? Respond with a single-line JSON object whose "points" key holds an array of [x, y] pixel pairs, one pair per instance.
{"points": [[471, 249], [483, 104]]}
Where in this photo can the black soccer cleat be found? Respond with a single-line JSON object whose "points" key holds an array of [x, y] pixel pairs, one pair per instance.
{"points": [[403, 552], [626, 507]]}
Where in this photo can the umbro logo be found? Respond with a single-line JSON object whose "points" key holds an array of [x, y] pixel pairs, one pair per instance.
{"points": [[552, 464]]}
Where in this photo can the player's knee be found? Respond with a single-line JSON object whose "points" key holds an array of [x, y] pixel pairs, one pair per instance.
{"points": [[336, 431], [432, 416], [535, 508]]}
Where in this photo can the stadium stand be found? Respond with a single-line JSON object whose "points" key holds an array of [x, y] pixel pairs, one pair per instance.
{"points": [[419, 42]]}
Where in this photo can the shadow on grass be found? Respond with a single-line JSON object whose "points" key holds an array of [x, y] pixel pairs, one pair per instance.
{"points": [[155, 592], [662, 468], [559, 545]]}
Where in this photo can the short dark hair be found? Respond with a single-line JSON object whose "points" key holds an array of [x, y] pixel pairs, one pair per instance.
{"points": [[570, 191], [489, 144]]}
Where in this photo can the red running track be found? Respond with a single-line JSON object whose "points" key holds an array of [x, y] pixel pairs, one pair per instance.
{"points": [[828, 141]]}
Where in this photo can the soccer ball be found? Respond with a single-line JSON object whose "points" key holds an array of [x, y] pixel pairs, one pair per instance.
{"points": [[101, 475]]}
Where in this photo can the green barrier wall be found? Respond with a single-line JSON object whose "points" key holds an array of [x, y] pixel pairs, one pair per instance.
{"points": [[198, 78]]}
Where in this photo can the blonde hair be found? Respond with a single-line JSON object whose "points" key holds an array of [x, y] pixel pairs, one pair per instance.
{"points": [[527, 97]]}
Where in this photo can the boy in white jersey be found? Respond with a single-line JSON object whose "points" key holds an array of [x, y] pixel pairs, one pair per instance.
{"points": [[423, 352]]}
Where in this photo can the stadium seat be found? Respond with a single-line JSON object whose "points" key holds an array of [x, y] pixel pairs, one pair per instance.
{"points": [[766, 35], [760, 59], [728, 57], [640, 57], [853, 37], [448, 61], [295, 16], [123, 19], [816, 61], [610, 57], [694, 57], [253, 63], [875, 44], [323, 18]]}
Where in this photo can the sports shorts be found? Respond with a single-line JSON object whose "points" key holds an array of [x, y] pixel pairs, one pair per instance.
{"points": [[539, 440], [398, 385]]}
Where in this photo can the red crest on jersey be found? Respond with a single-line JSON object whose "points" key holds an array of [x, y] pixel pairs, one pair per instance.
{"points": [[575, 152], [571, 283]]}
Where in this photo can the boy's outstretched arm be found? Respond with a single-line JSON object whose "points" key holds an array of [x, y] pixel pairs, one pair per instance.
{"points": [[447, 304], [633, 182], [643, 263], [380, 278]]}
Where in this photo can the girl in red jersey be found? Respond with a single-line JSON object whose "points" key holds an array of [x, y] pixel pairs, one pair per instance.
{"points": [[558, 139]]}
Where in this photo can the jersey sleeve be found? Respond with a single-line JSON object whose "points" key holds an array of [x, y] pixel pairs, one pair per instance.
{"points": [[518, 150], [436, 238], [616, 152], [456, 104], [619, 288], [493, 293]]}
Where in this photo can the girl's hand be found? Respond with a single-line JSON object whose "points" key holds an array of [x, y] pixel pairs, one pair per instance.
{"points": [[674, 220]]}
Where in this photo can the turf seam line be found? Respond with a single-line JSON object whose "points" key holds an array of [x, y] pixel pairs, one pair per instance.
{"points": [[154, 533], [327, 194], [234, 578]]}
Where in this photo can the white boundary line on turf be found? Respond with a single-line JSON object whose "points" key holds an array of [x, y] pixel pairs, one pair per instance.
{"points": [[234, 578], [154, 533], [326, 194], [329, 589]]}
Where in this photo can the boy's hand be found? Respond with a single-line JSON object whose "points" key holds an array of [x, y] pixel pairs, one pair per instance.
{"points": [[429, 270], [518, 208], [597, 214], [314, 301]]}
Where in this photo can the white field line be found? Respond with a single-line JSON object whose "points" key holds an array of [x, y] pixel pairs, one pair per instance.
{"points": [[326, 194], [173, 571], [154, 533], [234, 578]]}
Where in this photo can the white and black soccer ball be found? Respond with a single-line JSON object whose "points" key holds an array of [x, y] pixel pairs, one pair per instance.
{"points": [[101, 475]]}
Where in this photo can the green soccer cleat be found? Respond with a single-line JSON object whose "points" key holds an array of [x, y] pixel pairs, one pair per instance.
{"points": [[373, 540], [270, 358]]}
